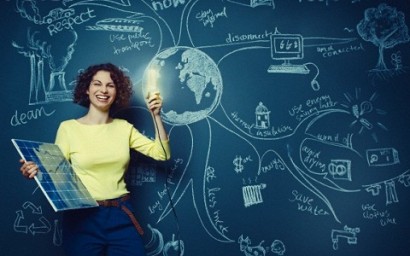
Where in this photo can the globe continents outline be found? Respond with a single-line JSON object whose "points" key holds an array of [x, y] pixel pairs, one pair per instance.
{"points": [[190, 95]]}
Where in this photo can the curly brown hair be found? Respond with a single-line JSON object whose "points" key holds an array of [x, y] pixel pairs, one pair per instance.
{"points": [[122, 83]]}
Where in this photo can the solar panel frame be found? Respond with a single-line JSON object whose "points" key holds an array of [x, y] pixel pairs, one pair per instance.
{"points": [[56, 177]]}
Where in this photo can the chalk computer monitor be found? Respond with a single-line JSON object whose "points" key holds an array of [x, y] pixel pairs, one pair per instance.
{"points": [[286, 47]]}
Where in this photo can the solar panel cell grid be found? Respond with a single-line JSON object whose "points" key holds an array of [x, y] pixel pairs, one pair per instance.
{"points": [[56, 178]]}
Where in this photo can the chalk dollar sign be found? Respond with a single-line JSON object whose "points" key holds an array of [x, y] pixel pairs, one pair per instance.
{"points": [[238, 164]]}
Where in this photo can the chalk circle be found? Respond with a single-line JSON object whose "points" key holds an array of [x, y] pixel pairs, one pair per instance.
{"points": [[189, 82]]}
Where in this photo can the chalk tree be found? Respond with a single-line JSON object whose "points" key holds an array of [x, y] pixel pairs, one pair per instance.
{"points": [[385, 27]]}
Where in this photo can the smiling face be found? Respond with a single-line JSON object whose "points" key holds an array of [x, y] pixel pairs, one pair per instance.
{"points": [[102, 91]]}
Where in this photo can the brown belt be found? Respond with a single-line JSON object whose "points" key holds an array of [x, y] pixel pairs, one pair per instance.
{"points": [[117, 203]]}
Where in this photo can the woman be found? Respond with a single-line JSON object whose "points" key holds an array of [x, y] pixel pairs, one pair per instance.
{"points": [[97, 145]]}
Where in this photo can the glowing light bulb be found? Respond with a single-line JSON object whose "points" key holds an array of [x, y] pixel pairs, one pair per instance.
{"points": [[152, 78]]}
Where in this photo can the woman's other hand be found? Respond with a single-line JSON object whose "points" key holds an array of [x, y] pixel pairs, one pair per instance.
{"points": [[28, 169]]}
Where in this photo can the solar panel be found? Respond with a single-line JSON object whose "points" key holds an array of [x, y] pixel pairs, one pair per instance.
{"points": [[56, 178]]}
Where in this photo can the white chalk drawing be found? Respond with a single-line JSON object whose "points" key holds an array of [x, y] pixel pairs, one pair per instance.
{"points": [[239, 163], [19, 118], [57, 14], [288, 47], [350, 234], [340, 169], [262, 115], [128, 34], [252, 194], [155, 245], [254, 3], [248, 250], [174, 247], [391, 193], [382, 156], [225, 141], [40, 52], [47, 56], [372, 213], [277, 247], [200, 83], [209, 17], [322, 1], [57, 234], [30, 220], [164, 5], [396, 61], [389, 186], [363, 111], [385, 27], [306, 204], [43, 225]]}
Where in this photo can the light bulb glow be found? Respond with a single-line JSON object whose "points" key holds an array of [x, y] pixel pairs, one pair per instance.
{"points": [[152, 77]]}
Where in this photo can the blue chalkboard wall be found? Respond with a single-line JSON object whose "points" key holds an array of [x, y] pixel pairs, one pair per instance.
{"points": [[288, 120]]}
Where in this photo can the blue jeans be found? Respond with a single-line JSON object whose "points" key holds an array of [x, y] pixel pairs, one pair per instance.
{"points": [[101, 231]]}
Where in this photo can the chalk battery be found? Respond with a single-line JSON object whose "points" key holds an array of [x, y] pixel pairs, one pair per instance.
{"points": [[382, 156]]}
